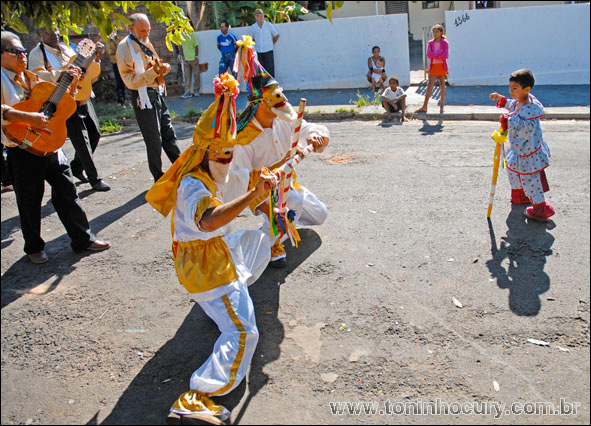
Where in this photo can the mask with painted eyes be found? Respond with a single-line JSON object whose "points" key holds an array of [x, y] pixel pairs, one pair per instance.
{"points": [[274, 98], [220, 159]]}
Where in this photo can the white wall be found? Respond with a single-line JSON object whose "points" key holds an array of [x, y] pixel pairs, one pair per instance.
{"points": [[552, 41], [325, 55]]}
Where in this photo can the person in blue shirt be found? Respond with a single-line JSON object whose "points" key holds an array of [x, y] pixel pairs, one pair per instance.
{"points": [[227, 47]]}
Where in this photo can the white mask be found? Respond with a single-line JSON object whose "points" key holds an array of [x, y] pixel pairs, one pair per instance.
{"points": [[285, 113], [219, 172]]}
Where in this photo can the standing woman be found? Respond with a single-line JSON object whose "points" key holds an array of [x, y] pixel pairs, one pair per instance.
{"points": [[437, 52]]}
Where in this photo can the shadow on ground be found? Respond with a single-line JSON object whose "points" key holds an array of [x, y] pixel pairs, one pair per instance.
{"points": [[23, 276], [526, 246], [152, 392]]}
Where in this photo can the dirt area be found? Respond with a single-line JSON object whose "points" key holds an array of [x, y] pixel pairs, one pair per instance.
{"points": [[363, 312]]}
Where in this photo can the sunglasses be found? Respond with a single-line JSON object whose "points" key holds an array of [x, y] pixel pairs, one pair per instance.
{"points": [[15, 51]]}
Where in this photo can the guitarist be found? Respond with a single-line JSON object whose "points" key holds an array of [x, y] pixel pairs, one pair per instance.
{"points": [[29, 171], [48, 59], [143, 74]]}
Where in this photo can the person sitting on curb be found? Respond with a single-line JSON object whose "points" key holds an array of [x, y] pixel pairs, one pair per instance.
{"points": [[394, 98], [377, 70]]}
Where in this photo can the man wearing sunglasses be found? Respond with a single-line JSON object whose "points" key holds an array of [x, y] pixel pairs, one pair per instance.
{"points": [[48, 59], [30, 171]]}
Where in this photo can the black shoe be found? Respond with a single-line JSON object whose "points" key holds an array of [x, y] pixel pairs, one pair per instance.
{"points": [[279, 263], [99, 185], [80, 176]]}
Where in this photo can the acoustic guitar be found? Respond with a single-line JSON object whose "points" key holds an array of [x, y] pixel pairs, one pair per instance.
{"points": [[52, 101], [157, 64], [90, 73]]}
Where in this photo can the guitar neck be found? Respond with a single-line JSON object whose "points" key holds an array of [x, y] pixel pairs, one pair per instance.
{"points": [[57, 95]]}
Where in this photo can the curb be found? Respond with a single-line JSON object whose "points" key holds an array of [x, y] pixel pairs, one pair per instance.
{"points": [[476, 116]]}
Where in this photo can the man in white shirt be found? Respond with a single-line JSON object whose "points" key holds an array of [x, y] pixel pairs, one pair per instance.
{"points": [[47, 60], [265, 35]]}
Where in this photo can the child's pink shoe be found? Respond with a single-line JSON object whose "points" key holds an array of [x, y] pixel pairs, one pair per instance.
{"points": [[518, 196], [541, 212]]}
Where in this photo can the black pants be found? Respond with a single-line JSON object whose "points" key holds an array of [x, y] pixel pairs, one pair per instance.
{"points": [[267, 61], [156, 127], [120, 85], [84, 133], [29, 173]]}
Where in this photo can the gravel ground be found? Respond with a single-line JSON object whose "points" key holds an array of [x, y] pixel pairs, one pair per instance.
{"points": [[364, 310]]}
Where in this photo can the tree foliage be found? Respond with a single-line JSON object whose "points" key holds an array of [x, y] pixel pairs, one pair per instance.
{"points": [[330, 5], [107, 16], [241, 13]]}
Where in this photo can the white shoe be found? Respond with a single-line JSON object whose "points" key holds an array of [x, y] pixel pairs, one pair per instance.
{"points": [[186, 96], [196, 94]]}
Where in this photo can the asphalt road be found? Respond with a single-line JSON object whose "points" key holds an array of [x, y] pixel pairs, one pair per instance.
{"points": [[363, 311]]}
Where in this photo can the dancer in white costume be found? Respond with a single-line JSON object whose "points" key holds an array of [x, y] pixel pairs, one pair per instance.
{"points": [[214, 265], [265, 132]]}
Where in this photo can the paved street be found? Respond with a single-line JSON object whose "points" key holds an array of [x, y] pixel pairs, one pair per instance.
{"points": [[364, 311]]}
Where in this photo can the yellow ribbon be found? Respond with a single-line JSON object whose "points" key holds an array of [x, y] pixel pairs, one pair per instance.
{"points": [[246, 42]]}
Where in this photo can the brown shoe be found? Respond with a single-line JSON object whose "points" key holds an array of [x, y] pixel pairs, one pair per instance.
{"points": [[99, 245], [40, 257]]}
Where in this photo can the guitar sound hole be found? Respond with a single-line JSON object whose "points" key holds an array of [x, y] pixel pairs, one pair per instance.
{"points": [[48, 109]]}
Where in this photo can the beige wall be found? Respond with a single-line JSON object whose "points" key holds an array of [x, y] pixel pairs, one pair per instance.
{"points": [[352, 9], [529, 3], [419, 17]]}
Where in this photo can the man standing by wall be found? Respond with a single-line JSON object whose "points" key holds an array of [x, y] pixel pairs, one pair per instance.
{"points": [[190, 47], [143, 74], [227, 47], [265, 36]]}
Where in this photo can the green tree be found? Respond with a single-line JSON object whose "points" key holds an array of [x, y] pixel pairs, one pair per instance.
{"points": [[73, 16], [241, 13]]}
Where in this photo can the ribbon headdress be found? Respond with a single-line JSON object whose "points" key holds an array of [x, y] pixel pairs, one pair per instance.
{"points": [[255, 77], [215, 130]]}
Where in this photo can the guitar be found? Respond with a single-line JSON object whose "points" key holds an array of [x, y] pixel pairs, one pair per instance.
{"points": [[52, 101], [159, 68], [90, 71]]}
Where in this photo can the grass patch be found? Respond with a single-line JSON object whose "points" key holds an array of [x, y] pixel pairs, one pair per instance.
{"points": [[110, 126], [362, 100], [114, 112], [365, 100], [192, 113], [344, 110]]}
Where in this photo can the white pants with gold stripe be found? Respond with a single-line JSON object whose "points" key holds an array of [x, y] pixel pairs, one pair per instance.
{"points": [[227, 365]]}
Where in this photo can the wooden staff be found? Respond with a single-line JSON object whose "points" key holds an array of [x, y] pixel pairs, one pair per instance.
{"points": [[293, 151], [288, 167], [500, 139]]}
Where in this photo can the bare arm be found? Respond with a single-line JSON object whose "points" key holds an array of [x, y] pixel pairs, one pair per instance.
{"points": [[216, 217]]}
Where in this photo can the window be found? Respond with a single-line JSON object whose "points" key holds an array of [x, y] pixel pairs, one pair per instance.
{"points": [[430, 5], [485, 4], [315, 6]]}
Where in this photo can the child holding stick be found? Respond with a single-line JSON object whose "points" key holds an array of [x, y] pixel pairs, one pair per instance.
{"points": [[528, 154]]}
